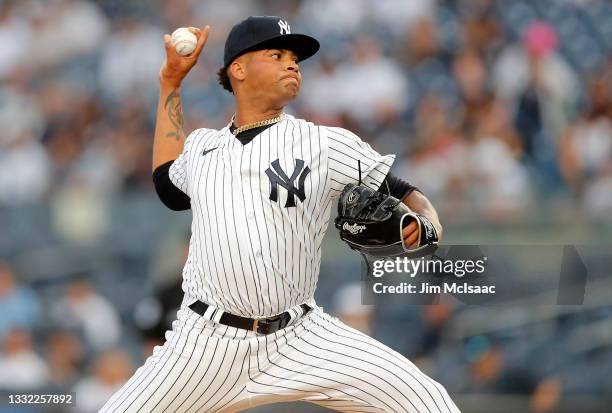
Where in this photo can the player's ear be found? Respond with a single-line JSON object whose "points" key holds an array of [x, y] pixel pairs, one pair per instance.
{"points": [[237, 69]]}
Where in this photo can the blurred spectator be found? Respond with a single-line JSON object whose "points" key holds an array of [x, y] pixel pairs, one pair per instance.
{"points": [[387, 93], [65, 353], [435, 319], [586, 150], [493, 175], [15, 36], [132, 143], [66, 108], [397, 16], [64, 29], [471, 75], [130, 60], [19, 305], [426, 63], [24, 172], [24, 163], [481, 30], [547, 396], [97, 166], [333, 17], [489, 371], [436, 142], [383, 102], [540, 86], [82, 307], [316, 100], [481, 171], [224, 13], [80, 214], [598, 196], [110, 371], [422, 42], [20, 367], [178, 12]]}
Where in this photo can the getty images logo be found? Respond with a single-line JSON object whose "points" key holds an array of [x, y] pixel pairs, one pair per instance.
{"points": [[353, 228]]}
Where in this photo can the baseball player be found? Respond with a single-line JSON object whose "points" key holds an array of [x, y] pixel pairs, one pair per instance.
{"points": [[261, 191]]}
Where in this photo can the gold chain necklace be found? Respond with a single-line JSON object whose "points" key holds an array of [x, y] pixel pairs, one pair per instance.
{"points": [[257, 124]]}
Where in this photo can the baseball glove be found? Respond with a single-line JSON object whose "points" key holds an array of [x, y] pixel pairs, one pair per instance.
{"points": [[371, 222]]}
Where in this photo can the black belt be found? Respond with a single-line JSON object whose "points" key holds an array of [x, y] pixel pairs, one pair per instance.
{"points": [[262, 325]]}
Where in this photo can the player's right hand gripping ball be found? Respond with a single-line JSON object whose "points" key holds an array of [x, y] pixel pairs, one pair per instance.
{"points": [[184, 41], [372, 223]]}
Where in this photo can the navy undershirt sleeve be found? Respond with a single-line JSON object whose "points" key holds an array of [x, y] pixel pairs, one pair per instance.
{"points": [[168, 193], [396, 187]]}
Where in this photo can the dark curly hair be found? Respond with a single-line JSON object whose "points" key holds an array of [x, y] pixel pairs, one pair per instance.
{"points": [[223, 79]]}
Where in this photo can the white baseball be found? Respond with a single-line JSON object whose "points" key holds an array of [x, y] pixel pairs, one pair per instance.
{"points": [[184, 41]]}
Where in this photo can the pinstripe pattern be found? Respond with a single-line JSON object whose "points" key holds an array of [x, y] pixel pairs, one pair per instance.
{"points": [[254, 256], [207, 367], [248, 254]]}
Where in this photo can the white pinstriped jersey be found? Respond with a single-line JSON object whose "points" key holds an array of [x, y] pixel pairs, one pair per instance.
{"points": [[260, 210], [259, 214]]}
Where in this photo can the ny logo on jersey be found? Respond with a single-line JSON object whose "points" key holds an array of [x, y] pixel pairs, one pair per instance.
{"points": [[281, 178], [284, 27]]}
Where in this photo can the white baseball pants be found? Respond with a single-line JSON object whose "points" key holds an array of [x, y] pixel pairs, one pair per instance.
{"points": [[210, 367]]}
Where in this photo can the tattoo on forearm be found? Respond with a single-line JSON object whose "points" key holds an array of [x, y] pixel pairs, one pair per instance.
{"points": [[174, 109]]}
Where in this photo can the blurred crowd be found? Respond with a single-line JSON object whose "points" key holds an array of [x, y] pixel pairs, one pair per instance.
{"points": [[492, 106], [497, 110]]}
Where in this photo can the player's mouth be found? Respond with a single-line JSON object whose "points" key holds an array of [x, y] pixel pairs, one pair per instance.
{"points": [[291, 77]]}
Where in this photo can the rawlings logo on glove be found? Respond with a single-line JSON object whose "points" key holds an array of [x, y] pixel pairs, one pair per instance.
{"points": [[353, 228], [372, 223]]}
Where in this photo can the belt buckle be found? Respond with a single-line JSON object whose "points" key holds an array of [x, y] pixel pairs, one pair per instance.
{"points": [[272, 324]]}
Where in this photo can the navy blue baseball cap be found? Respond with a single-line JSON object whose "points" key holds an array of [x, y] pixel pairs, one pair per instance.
{"points": [[266, 32]]}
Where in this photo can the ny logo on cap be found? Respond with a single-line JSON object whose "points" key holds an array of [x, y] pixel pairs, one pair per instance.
{"points": [[284, 27], [287, 182]]}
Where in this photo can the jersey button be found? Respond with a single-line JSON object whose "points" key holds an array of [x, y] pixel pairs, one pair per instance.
{"points": [[258, 254], [251, 215]]}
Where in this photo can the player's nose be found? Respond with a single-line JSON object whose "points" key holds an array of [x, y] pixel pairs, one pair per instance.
{"points": [[292, 65], [290, 62]]}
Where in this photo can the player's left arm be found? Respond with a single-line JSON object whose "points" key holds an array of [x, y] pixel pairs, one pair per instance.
{"points": [[352, 160], [419, 204]]}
